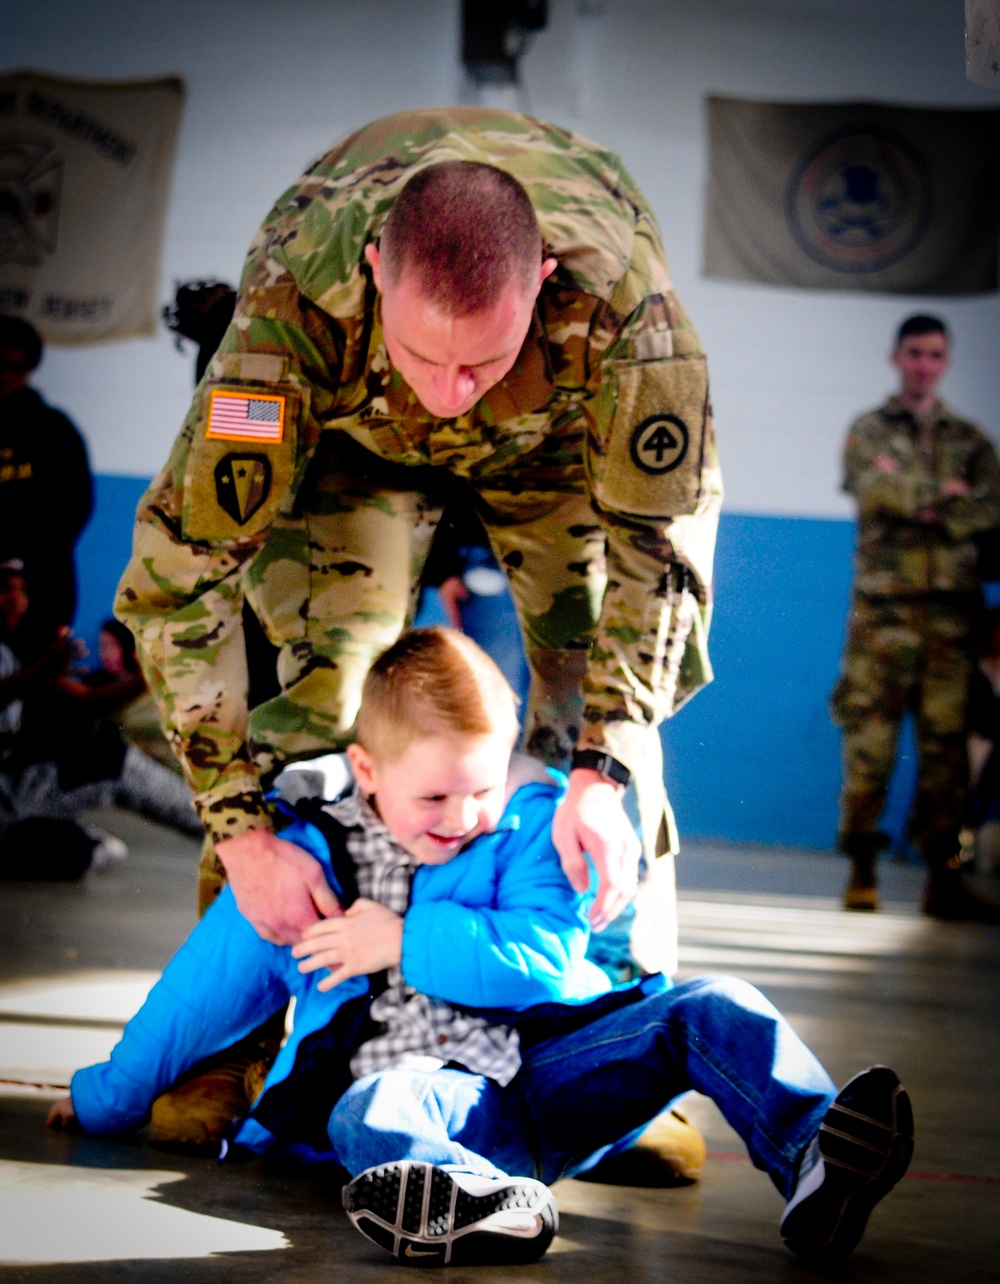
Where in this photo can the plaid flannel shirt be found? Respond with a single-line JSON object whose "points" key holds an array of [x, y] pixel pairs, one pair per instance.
{"points": [[415, 1027]]}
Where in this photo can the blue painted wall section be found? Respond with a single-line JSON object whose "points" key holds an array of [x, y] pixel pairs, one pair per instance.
{"points": [[103, 551], [753, 758]]}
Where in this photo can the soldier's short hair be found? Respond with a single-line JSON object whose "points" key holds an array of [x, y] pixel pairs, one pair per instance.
{"points": [[433, 681], [466, 230], [921, 323], [21, 336]]}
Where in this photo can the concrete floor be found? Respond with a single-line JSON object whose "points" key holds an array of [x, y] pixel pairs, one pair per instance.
{"points": [[75, 962]]}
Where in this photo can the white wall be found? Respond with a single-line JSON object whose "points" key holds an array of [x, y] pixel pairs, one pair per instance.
{"points": [[270, 85]]}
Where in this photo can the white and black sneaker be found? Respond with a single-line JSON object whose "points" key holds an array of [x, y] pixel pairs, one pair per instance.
{"points": [[429, 1217], [863, 1147]]}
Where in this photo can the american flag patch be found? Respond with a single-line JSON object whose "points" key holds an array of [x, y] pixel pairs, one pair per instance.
{"points": [[234, 416]]}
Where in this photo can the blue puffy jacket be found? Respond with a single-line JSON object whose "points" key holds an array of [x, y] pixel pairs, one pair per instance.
{"points": [[497, 927]]}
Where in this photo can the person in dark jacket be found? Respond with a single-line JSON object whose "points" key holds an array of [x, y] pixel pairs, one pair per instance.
{"points": [[46, 490]]}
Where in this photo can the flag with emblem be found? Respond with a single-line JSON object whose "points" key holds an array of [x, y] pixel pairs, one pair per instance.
{"points": [[85, 172], [854, 196], [246, 417]]}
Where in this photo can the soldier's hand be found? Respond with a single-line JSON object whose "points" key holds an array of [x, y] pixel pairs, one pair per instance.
{"points": [[366, 938], [591, 819], [279, 888]]}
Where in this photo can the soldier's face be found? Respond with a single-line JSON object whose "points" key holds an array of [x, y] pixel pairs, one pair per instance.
{"points": [[449, 361], [440, 793], [921, 360]]}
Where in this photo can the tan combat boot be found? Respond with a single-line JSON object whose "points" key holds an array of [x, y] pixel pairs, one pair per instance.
{"points": [[194, 1115], [670, 1152]]}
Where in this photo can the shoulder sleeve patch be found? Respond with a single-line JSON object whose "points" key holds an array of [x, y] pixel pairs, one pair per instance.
{"points": [[246, 416]]}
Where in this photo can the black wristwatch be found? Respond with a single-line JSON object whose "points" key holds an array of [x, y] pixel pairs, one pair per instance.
{"points": [[602, 762]]}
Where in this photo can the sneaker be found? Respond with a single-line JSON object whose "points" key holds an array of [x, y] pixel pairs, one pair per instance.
{"points": [[109, 850], [862, 1149], [430, 1217]]}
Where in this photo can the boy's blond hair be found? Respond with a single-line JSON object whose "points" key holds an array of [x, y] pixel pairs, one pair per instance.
{"points": [[430, 682]]}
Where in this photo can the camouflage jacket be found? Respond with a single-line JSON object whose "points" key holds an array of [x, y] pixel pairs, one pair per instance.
{"points": [[610, 346], [911, 539]]}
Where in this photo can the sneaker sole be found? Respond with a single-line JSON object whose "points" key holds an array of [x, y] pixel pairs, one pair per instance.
{"points": [[419, 1213], [866, 1141]]}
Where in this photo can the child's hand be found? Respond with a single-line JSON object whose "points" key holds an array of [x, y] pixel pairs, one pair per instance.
{"points": [[63, 1116], [366, 939]]}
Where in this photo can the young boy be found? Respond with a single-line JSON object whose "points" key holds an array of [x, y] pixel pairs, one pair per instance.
{"points": [[452, 1048]]}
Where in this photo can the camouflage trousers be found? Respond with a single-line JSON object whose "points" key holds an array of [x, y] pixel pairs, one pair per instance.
{"points": [[351, 569], [906, 655]]}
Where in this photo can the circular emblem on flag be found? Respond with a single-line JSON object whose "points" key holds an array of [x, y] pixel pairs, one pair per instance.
{"points": [[659, 444], [860, 200]]}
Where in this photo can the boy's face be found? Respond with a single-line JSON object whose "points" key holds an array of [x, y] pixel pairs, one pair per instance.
{"points": [[922, 360], [440, 793]]}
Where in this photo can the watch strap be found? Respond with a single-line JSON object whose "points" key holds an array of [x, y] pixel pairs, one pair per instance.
{"points": [[604, 763]]}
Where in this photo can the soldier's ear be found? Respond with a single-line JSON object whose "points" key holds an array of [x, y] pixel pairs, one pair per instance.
{"points": [[375, 263]]}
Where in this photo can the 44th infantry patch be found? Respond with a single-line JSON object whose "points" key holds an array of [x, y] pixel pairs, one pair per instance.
{"points": [[238, 416], [242, 483]]}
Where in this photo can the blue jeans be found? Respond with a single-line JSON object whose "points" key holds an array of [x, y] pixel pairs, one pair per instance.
{"points": [[586, 1094]]}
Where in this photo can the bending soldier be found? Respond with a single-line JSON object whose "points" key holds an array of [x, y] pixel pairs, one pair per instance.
{"points": [[449, 297]]}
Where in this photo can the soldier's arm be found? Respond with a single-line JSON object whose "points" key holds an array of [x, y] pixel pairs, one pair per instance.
{"points": [[883, 484], [232, 475], [978, 509], [656, 488]]}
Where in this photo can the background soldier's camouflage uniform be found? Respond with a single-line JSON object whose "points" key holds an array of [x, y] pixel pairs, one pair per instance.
{"points": [[915, 605], [601, 508]]}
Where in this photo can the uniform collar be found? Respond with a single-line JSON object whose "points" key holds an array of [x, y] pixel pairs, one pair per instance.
{"points": [[895, 408]]}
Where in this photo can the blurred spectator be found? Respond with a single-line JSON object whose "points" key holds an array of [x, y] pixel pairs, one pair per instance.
{"points": [[46, 492], [57, 759], [123, 697], [984, 734], [927, 485]]}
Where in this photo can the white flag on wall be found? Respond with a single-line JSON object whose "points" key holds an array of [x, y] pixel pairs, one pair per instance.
{"points": [[84, 180]]}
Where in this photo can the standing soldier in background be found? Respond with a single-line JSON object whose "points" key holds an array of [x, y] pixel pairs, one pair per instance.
{"points": [[927, 484], [449, 294], [46, 491]]}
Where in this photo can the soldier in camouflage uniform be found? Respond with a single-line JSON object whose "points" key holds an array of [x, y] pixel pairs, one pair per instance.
{"points": [[310, 473], [927, 483]]}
